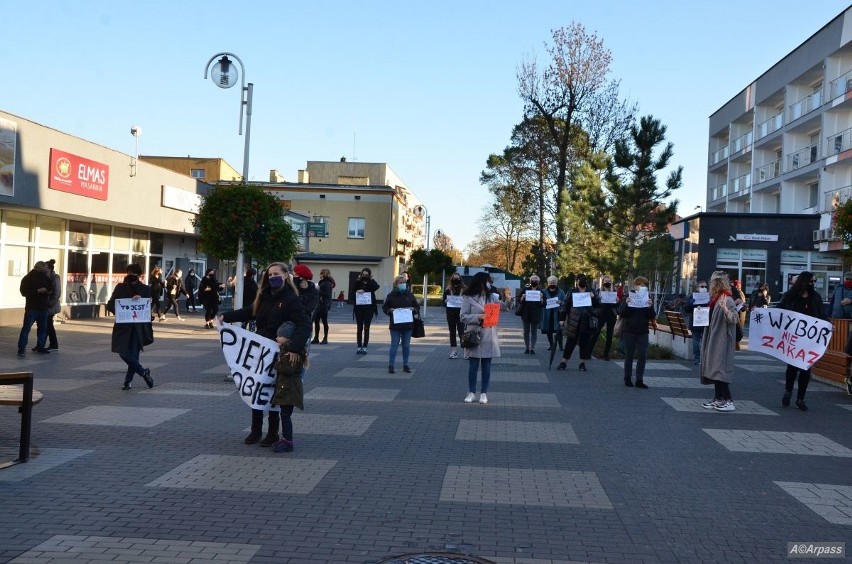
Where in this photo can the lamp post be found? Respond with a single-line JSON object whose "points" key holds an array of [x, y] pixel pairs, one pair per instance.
{"points": [[421, 212], [225, 75]]}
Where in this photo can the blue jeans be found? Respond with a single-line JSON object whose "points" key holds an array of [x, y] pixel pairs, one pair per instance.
{"points": [[39, 317], [472, 368], [634, 345], [396, 337], [697, 334]]}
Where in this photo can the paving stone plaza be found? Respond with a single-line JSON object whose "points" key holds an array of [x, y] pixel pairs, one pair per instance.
{"points": [[558, 467]]}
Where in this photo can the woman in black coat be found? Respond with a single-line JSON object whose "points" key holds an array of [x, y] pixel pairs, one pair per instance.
{"points": [[208, 293], [276, 303], [128, 339], [364, 313]]}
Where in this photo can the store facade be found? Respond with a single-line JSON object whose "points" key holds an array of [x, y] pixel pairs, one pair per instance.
{"points": [[93, 210]]}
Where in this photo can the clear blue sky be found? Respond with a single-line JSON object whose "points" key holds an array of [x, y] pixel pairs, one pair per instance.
{"points": [[427, 87]]}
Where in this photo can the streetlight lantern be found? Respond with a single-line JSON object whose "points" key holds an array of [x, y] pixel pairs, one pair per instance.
{"points": [[224, 74], [421, 212]]}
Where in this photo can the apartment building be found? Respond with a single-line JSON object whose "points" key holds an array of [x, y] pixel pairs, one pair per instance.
{"points": [[783, 147], [205, 169]]}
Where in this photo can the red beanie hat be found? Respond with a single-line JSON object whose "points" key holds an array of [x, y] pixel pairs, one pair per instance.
{"points": [[303, 271]]}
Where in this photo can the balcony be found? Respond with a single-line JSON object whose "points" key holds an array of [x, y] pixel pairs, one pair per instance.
{"points": [[840, 86], [835, 198], [768, 171], [805, 106], [719, 191], [740, 185], [803, 157], [742, 143], [719, 156], [771, 125], [839, 142]]}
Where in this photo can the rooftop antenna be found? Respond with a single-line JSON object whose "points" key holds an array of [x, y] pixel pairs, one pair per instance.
{"points": [[354, 157]]}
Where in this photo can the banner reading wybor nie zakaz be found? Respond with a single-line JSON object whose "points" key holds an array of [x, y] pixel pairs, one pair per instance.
{"points": [[251, 360], [794, 338]]}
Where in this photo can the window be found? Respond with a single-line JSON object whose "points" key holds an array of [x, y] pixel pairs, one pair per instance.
{"points": [[198, 173], [813, 194], [357, 225]]}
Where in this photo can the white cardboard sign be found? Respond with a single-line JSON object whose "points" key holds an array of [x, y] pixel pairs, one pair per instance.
{"points": [[133, 310], [251, 360]]}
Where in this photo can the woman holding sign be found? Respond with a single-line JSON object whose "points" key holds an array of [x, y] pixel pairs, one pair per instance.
{"points": [[477, 298], [128, 339], [553, 300], [364, 291], [719, 343], [400, 306], [452, 303], [636, 310], [801, 298], [532, 302], [276, 303], [580, 321]]}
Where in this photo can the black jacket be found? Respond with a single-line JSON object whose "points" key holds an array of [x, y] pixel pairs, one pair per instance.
{"points": [[208, 290], [635, 318], [274, 309], [812, 305], [368, 286], [30, 285], [326, 286], [310, 297], [531, 311], [249, 290], [122, 333], [396, 300], [578, 319], [174, 286]]}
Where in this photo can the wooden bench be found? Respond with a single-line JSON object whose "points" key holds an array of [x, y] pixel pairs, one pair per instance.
{"points": [[678, 326], [834, 364], [16, 390]]}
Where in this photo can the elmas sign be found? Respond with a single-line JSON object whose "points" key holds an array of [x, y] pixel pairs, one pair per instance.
{"points": [[76, 175]]}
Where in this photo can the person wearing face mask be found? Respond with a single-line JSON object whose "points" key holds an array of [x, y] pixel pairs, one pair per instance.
{"points": [[606, 316], [208, 291], [801, 298], [276, 303], [697, 330], [761, 298], [128, 339], [549, 324], [841, 300], [530, 312], [452, 304], [579, 324], [326, 287], [400, 299], [364, 313], [739, 298], [634, 335], [476, 296]]}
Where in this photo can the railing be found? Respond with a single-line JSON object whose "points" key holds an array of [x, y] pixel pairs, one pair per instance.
{"points": [[768, 171], [836, 198], [719, 191], [719, 155], [744, 142], [805, 105], [740, 184], [839, 142], [771, 125], [803, 157], [840, 86]]}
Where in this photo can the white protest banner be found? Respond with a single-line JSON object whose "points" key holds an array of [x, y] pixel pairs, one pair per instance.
{"points": [[133, 310], [609, 297], [638, 298], [701, 317], [364, 298], [251, 360], [402, 315], [532, 296], [551, 303], [454, 301], [581, 299], [794, 338], [700, 298]]}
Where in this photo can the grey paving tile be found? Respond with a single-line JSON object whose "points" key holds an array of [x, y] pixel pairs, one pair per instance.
{"points": [[352, 394], [508, 361], [667, 366], [743, 407], [322, 424], [64, 384], [519, 377], [520, 399], [375, 372], [382, 358], [193, 389], [118, 416], [778, 442], [528, 487], [79, 548], [831, 502], [669, 382], [814, 386], [845, 406], [218, 369], [117, 366], [41, 460], [516, 431], [762, 368], [246, 473]]}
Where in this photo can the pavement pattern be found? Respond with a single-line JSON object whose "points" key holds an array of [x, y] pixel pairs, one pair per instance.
{"points": [[558, 467]]}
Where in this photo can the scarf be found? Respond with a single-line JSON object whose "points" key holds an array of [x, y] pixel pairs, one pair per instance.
{"points": [[720, 295]]}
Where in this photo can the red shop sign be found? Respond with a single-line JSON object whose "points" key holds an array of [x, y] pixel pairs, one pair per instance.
{"points": [[76, 175]]}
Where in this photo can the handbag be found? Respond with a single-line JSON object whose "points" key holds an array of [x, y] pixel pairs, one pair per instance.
{"points": [[519, 308], [618, 328], [470, 339], [419, 330]]}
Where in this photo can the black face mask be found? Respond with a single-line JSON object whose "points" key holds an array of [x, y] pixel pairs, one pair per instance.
{"points": [[581, 284], [456, 282], [607, 284], [297, 280], [132, 278], [365, 277], [534, 284], [552, 287]]}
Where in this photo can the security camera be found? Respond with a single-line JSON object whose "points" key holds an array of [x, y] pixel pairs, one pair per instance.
{"points": [[135, 131]]}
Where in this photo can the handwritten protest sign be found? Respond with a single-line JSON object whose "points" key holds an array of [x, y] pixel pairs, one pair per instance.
{"points": [[454, 301], [581, 299], [532, 295], [700, 298], [402, 315], [364, 298], [638, 298], [701, 317], [552, 303], [794, 338], [130, 310], [492, 315], [609, 297], [251, 360]]}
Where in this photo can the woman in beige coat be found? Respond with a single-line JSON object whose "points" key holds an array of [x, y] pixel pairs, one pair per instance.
{"points": [[718, 344], [476, 296]]}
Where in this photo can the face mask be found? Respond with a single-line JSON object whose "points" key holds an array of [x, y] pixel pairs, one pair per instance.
{"points": [[365, 277], [847, 284], [702, 290], [132, 278], [456, 282], [534, 284], [275, 282], [607, 284], [297, 280], [402, 287], [552, 287], [581, 284], [488, 285]]}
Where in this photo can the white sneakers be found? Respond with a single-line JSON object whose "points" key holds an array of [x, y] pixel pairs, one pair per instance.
{"points": [[483, 398], [454, 354], [469, 398], [719, 405]]}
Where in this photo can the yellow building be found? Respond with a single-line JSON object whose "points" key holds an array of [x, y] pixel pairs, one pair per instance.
{"points": [[209, 170]]}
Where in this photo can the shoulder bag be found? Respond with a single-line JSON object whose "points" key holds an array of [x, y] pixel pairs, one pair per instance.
{"points": [[618, 328], [470, 339]]}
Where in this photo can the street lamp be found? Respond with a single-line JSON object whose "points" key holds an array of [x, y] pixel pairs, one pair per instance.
{"points": [[421, 212], [225, 75]]}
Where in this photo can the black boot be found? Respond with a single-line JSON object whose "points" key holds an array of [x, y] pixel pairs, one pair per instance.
{"points": [[325, 340], [272, 432], [315, 341], [256, 427]]}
